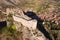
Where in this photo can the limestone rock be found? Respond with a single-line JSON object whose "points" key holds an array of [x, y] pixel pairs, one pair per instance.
{"points": [[30, 24]]}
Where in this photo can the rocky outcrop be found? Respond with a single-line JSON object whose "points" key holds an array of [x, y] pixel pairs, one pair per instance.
{"points": [[27, 23], [29, 27], [20, 18]]}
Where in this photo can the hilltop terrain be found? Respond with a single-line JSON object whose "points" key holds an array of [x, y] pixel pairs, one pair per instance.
{"points": [[44, 15]]}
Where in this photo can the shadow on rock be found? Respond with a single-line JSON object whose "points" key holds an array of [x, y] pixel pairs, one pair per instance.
{"points": [[3, 24], [39, 24]]}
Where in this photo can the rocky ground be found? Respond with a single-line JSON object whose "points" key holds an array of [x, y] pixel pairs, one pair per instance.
{"points": [[46, 10]]}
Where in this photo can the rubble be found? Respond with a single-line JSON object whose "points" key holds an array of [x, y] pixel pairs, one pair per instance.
{"points": [[50, 17]]}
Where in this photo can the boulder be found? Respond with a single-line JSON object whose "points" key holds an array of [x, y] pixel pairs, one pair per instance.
{"points": [[27, 23]]}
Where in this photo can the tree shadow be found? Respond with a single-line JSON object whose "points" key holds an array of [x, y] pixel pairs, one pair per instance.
{"points": [[3, 24], [39, 23]]}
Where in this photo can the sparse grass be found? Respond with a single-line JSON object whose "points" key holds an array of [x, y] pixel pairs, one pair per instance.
{"points": [[55, 33], [42, 7]]}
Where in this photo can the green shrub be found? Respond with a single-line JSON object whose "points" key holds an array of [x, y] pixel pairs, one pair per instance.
{"points": [[12, 28]]}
